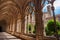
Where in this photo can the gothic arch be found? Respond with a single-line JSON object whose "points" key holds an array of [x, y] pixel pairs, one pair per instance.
{"points": [[11, 4], [10, 9], [27, 3]]}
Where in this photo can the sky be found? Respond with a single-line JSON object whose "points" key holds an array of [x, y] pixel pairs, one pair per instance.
{"points": [[56, 5]]}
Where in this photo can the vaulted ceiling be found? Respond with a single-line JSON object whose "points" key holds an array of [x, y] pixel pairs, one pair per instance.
{"points": [[12, 8]]}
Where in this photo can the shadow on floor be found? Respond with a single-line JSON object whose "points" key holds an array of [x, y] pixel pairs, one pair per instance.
{"points": [[6, 36]]}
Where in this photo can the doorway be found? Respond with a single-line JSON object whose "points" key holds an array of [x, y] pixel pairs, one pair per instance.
{"points": [[1, 29]]}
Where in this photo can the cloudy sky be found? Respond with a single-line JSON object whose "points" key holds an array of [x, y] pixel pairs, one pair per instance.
{"points": [[56, 5]]}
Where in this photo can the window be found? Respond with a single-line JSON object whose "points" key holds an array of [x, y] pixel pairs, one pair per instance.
{"points": [[30, 19]]}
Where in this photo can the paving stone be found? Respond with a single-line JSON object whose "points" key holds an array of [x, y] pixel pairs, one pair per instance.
{"points": [[6, 36]]}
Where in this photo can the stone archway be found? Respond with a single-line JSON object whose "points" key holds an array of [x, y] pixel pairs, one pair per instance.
{"points": [[1, 29], [3, 25]]}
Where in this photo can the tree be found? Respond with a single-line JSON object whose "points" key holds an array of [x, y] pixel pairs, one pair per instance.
{"points": [[50, 29]]}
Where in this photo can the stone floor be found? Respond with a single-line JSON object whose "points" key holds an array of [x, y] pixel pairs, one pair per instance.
{"points": [[6, 36]]}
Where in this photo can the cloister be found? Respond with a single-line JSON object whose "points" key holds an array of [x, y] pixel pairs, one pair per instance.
{"points": [[16, 15]]}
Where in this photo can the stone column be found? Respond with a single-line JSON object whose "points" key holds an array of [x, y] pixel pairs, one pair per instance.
{"points": [[19, 23], [26, 24], [9, 27], [22, 24], [11, 24], [22, 21], [15, 24], [39, 21], [31, 23]]}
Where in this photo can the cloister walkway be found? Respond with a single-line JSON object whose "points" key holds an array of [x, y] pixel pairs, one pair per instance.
{"points": [[6, 36]]}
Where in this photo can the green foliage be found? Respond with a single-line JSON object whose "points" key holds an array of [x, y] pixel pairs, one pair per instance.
{"points": [[50, 29], [29, 27]]}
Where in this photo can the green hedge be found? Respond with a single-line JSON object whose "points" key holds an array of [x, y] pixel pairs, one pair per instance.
{"points": [[50, 29]]}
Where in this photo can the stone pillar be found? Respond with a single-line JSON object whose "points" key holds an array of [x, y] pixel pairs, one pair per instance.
{"points": [[31, 23], [39, 21], [11, 24], [19, 22], [15, 29], [27, 25], [9, 27], [22, 21], [22, 24]]}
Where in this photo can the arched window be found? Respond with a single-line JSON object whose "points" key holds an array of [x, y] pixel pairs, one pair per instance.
{"points": [[30, 19]]}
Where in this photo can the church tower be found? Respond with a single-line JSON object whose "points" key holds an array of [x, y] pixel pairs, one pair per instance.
{"points": [[49, 10]]}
